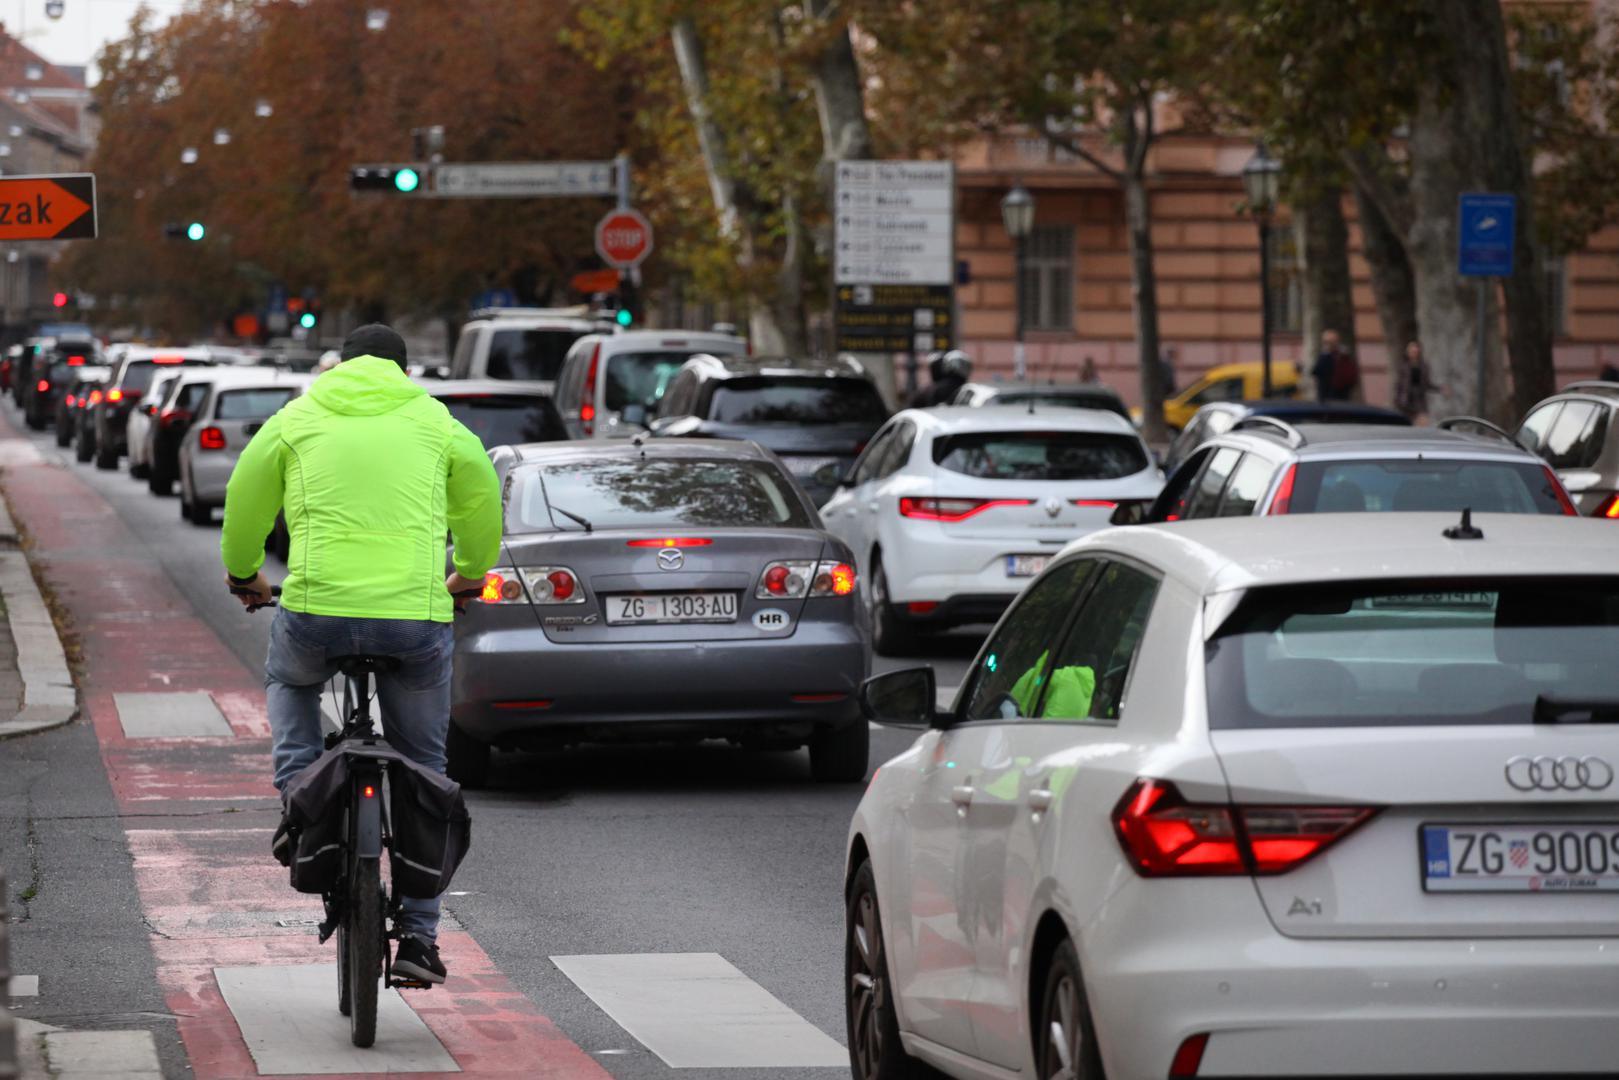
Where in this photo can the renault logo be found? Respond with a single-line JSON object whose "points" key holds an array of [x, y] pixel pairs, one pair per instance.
{"points": [[1569, 773], [671, 559], [1052, 507]]}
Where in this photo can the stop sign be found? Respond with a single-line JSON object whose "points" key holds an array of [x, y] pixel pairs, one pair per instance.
{"points": [[623, 238]]}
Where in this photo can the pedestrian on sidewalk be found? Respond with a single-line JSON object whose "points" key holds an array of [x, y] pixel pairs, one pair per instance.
{"points": [[1336, 372], [1413, 383], [370, 473]]}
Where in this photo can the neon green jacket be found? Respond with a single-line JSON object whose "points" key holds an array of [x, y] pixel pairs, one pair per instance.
{"points": [[370, 471]]}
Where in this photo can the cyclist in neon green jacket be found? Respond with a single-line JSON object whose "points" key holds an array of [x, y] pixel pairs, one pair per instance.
{"points": [[370, 472]]}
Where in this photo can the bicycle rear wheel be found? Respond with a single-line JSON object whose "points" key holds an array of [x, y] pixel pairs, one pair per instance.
{"points": [[362, 947]]}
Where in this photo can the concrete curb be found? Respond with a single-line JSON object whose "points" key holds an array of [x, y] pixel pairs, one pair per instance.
{"points": [[49, 697]]}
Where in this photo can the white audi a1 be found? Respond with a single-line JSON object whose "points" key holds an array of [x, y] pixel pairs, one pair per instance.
{"points": [[1313, 796]]}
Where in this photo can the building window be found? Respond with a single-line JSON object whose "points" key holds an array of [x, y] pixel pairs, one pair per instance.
{"points": [[1557, 296], [1048, 278], [1286, 282]]}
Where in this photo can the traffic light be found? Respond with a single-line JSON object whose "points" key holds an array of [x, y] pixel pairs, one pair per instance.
{"points": [[196, 231], [59, 300], [397, 179], [624, 317], [308, 319]]}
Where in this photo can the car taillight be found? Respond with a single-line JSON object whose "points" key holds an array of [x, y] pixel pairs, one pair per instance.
{"points": [[553, 585], [672, 541], [75, 361], [501, 586], [1163, 835], [1100, 504], [1609, 509], [587, 410], [1284, 492], [115, 395], [953, 509], [1561, 492], [785, 580], [70, 401], [211, 438], [173, 417], [94, 398], [1189, 1057], [833, 579], [44, 386]]}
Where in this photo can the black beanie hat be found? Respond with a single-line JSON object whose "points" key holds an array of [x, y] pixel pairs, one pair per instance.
{"points": [[375, 339]]}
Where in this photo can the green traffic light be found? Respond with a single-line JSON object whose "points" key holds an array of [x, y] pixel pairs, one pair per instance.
{"points": [[624, 317], [195, 231], [307, 320], [407, 180]]}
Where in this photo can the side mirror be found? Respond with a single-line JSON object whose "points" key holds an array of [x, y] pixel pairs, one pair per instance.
{"points": [[829, 475], [1130, 512], [902, 699]]}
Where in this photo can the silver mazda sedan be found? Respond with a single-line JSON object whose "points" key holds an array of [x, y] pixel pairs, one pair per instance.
{"points": [[665, 590]]}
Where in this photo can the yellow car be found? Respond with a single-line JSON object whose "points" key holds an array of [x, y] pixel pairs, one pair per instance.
{"points": [[1231, 382]]}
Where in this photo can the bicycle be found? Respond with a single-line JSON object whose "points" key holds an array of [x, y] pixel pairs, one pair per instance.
{"points": [[359, 910]]}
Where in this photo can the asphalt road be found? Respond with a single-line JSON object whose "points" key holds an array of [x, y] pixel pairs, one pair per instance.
{"points": [[703, 849]]}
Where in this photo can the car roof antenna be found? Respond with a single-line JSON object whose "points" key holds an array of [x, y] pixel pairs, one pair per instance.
{"points": [[1466, 530]]}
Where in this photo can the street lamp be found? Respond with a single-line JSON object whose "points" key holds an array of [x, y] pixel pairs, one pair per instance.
{"points": [[1017, 214], [1262, 177]]}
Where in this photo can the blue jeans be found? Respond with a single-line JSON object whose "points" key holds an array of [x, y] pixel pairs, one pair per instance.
{"points": [[415, 700]]}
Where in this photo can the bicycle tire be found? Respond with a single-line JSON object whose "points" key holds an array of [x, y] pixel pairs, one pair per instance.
{"points": [[344, 1006], [363, 943]]}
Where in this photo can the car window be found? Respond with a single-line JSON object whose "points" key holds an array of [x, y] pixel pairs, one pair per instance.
{"points": [[767, 399], [1586, 449], [677, 400], [1220, 390], [1040, 455], [1006, 683], [534, 354], [189, 399], [640, 378], [654, 493], [865, 469], [1248, 484], [1432, 484], [1532, 434], [1091, 668], [1205, 498], [259, 403], [461, 365], [898, 450], [1564, 437], [138, 375], [1398, 653], [1171, 502], [507, 419]]}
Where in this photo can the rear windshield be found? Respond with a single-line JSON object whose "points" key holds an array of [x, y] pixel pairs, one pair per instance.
{"points": [[529, 354], [1040, 455], [631, 492], [1391, 654], [1500, 487], [258, 404], [788, 400], [507, 419], [640, 378]]}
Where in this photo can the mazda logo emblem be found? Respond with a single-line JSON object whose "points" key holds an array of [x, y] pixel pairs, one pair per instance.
{"points": [[1545, 773], [671, 559]]}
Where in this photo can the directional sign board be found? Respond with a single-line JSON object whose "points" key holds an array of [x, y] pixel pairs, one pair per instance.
{"points": [[1485, 234], [56, 207], [894, 255], [623, 238], [523, 179]]}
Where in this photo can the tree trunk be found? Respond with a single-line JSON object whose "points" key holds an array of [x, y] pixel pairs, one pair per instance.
{"points": [[1323, 239], [1144, 297], [1392, 284], [839, 94]]}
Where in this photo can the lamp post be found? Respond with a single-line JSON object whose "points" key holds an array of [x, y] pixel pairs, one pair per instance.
{"points": [[1017, 214], [1262, 178]]}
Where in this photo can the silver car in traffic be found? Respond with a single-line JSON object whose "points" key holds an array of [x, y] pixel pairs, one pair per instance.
{"points": [[238, 402]]}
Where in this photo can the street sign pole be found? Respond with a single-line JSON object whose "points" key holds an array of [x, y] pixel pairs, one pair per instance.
{"points": [[1486, 241]]}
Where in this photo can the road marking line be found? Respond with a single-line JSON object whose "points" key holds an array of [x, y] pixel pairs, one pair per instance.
{"points": [[288, 1017], [696, 1010], [24, 986], [128, 1054], [170, 716]]}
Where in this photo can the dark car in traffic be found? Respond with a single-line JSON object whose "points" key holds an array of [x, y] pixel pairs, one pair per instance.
{"points": [[52, 368], [656, 590], [126, 387], [168, 423], [816, 415], [75, 399]]}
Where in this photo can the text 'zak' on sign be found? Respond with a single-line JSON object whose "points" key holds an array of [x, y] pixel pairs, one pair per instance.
{"points": [[60, 207]]}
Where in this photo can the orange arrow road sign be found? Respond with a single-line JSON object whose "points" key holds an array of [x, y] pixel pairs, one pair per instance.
{"points": [[61, 207]]}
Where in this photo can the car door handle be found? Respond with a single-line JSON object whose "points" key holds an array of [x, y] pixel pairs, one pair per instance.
{"points": [[962, 795], [1039, 800], [872, 506]]}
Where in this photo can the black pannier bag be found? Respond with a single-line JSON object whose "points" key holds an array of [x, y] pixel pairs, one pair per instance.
{"points": [[427, 816]]}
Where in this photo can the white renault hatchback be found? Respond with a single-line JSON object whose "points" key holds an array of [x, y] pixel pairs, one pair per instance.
{"points": [[1326, 795], [952, 511]]}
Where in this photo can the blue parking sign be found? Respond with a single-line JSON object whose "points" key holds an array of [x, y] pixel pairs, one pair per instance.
{"points": [[1485, 234]]}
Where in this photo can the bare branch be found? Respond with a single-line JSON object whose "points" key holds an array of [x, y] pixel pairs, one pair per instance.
{"points": [[1374, 172], [1072, 146]]}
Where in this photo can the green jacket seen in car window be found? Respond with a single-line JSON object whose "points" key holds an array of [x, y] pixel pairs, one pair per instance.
{"points": [[370, 471], [1069, 697]]}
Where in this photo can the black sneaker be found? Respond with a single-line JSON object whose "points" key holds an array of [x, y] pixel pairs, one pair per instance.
{"points": [[281, 843], [416, 959]]}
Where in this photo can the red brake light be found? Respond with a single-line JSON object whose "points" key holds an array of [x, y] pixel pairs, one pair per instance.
{"points": [[672, 541], [922, 607], [95, 396], [70, 401], [1284, 492], [775, 580], [211, 438], [171, 417], [953, 509], [1163, 835], [1189, 1058], [168, 359], [1562, 493], [44, 386], [562, 584], [493, 583], [115, 395], [368, 791], [75, 361], [587, 409], [1105, 504], [1609, 509]]}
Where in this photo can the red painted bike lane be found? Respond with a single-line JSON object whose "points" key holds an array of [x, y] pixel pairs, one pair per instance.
{"points": [[207, 885]]}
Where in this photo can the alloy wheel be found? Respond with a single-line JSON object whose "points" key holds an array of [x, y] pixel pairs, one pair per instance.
{"points": [[868, 988], [1065, 1035]]}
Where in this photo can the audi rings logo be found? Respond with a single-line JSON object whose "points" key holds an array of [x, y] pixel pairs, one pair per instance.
{"points": [[1545, 773], [671, 558]]}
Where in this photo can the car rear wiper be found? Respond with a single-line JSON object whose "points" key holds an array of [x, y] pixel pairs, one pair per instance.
{"points": [[571, 516], [1553, 710]]}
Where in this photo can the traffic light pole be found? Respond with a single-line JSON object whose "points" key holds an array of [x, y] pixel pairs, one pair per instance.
{"points": [[629, 280]]}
